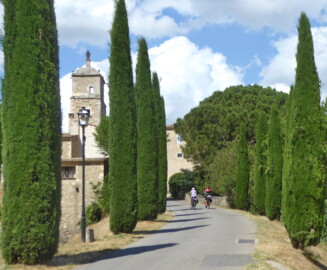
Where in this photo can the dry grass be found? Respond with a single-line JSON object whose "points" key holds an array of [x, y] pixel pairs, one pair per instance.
{"points": [[75, 253], [274, 246]]}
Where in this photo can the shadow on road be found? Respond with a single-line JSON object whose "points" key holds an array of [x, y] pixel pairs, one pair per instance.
{"points": [[189, 214], [134, 251], [185, 209], [80, 258], [169, 230], [179, 229], [182, 220], [186, 220]]}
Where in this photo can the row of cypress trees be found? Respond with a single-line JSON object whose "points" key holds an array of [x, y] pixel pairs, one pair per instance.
{"points": [[31, 118], [137, 141], [292, 187]]}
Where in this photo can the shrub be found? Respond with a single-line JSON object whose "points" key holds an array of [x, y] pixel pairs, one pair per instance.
{"points": [[93, 213], [101, 191], [181, 183]]}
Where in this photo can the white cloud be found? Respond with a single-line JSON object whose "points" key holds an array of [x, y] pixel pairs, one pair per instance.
{"points": [[280, 72], [256, 14], [188, 75], [65, 93], [83, 21]]}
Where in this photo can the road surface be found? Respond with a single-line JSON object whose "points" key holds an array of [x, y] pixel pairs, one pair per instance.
{"points": [[195, 239]]}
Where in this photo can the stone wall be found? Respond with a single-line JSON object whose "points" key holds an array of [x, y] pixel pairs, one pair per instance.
{"points": [[71, 200], [176, 160], [216, 200]]}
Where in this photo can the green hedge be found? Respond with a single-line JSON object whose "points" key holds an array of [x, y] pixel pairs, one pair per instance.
{"points": [[181, 183]]}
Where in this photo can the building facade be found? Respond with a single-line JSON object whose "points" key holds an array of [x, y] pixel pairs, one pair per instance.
{"points": [[175, 156], [88, 92]]}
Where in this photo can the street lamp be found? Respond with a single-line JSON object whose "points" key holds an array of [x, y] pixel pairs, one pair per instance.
{"points": [[83, 116]]}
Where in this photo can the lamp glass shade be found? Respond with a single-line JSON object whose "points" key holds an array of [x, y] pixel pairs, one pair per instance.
{"points": [[83, 116]]}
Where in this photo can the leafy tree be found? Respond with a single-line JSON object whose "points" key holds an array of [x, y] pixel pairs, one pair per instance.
{"points": [[304, 172], [274, 167], [101, 135], [181, 183], [242, 181], [208, 127], [260, 166], [122, 128], [147, 145], [162, 145], [31, 132], [222, 172]]}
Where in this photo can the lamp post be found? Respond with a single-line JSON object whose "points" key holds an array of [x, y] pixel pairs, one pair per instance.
{"points": [[83, 116]]}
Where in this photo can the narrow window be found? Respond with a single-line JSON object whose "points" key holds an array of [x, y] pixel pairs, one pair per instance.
{"points": [[68, 172], [179, 155], [91, 90]]}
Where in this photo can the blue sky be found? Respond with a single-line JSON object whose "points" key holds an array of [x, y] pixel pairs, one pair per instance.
{"points": [[197, 47]]}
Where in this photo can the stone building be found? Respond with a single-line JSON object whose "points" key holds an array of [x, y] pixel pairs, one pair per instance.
{"points": [[175, 157], [88, 92]]}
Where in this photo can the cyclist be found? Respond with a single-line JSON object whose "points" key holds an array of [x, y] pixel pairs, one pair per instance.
{"points": [[207, 195], [194, 196]]}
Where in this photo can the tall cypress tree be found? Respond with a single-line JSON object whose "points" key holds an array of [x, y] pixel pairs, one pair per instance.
{"points": [[31, 132], [260, 166], [304, 172], [274, 167], [162, 146], [242, 181], [122, 128], [147, 158]]}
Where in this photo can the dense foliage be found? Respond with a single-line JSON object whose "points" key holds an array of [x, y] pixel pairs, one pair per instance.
{"points": [[222, 172], [162, 145], [31, 132], [304, 172], [324, 233], [101, 135], [242, 180], [208, 127], [147, 139], [274, 167], [101, 190], [122, 128], [259, 189], [181, 183], [94, 213]]}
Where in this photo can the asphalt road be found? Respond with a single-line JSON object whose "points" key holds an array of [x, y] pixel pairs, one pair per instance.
{"points": [[195, 239]]}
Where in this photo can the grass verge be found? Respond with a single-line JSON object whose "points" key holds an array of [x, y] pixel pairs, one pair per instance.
{"points": [[274, 249], [75, 253]]}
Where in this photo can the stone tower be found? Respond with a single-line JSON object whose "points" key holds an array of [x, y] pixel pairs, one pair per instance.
{"points": [[88, 92]]}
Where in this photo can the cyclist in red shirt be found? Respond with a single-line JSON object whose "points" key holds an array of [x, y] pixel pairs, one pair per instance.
{"points": [[207, 195]]}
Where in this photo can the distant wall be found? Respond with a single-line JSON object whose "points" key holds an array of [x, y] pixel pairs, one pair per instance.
{"points": [[175, 157], [216, 200]]}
